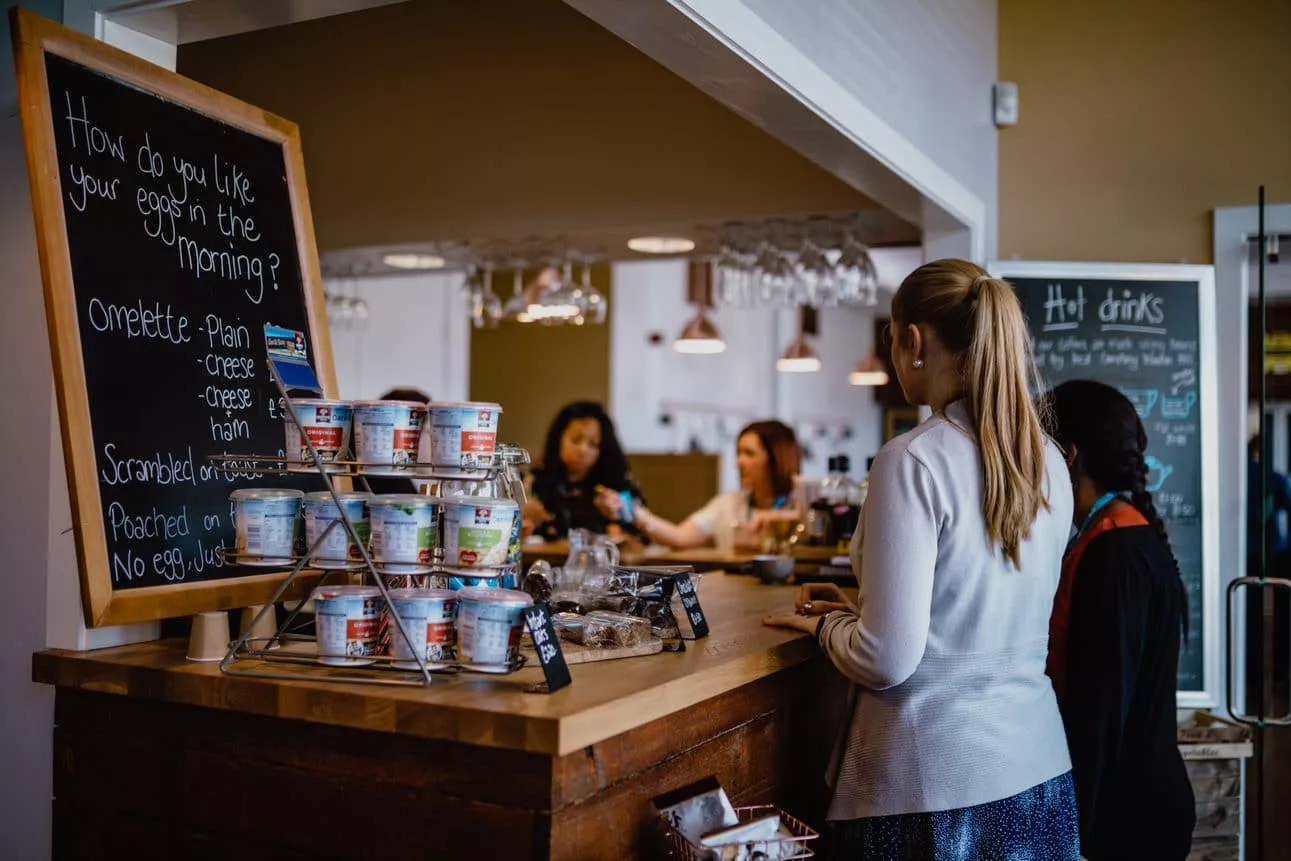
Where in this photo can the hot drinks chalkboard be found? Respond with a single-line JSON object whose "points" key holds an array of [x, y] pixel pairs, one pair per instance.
{"points": [[1148, 331], [173, 224]]}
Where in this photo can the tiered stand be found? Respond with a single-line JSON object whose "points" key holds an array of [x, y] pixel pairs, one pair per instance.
{"points": [[290, 654]]}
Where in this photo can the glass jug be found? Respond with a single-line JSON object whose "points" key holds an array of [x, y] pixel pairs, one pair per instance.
{"points": [[591, 562]]}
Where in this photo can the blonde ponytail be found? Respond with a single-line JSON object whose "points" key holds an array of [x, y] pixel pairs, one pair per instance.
{"points": [[979, 319], [999, 373]]}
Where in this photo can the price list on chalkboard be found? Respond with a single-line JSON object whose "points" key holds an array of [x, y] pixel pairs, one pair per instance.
{"points": [[182, 246], [1142, 337]]}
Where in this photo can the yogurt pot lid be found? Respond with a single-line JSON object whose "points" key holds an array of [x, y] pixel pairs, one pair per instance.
{"points": [[330, 593], [267, 493], [402, 499], [326, 402], [459, 405], [415, 405], [345, 496], [506, 597], [479, 502], [414, 594]]}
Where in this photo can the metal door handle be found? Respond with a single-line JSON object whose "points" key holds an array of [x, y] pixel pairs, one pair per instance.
{"points": [[1242, 583]]}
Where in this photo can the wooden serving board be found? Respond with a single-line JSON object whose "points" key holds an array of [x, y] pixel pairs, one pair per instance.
{"points": [[579, 654]]}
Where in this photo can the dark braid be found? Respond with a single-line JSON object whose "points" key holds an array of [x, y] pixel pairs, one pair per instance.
{"points": [[1110, 443]]}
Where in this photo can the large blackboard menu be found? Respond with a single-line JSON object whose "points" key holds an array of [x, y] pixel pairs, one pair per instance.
{"points": [[1144, 337], [180, 241]]}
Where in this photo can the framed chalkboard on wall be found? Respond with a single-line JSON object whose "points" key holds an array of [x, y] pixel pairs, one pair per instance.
{"points": [[1149, 331], [173, 224]]}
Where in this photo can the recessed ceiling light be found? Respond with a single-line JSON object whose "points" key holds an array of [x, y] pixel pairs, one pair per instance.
{"points": [[413, 261], [661, 244]]}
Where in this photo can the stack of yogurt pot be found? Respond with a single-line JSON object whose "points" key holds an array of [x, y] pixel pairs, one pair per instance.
{"points": [[390, 437], [469, 545]]}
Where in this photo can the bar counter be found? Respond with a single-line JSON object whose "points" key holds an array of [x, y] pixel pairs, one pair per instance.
{"points": [[151, 747]]}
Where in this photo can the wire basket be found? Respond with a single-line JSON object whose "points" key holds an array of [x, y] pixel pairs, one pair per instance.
{"points": [[780, 849]]}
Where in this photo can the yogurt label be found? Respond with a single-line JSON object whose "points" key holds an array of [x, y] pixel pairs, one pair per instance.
{"points": [[347, 621], [268, 528], [387, 434], [403, 535], [478, 533]]}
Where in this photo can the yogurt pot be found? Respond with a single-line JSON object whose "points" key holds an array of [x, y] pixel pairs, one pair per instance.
{"points": [[320, 512], [346, 619], [489, 623], [387, 432], [326, 423], [477, 531], [404, 532], [460, 435], [428, 617], [268, 525]]}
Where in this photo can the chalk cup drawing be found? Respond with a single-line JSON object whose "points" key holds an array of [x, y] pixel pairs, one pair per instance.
{"points": [[1161, 470], [1143, 399], [1178, 408]]}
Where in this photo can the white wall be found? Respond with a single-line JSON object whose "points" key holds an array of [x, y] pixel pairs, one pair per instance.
{"points": [[416, 335], [710, 397], [42, 600], [924, 67]]}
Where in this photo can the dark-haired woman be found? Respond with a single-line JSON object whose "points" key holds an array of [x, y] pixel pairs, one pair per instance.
{"points": [[1114, 638], [582, 477], [769, 457]]}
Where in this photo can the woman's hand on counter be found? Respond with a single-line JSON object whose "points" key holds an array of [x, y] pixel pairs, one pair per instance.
{"points": [[806, 624], [817, 599]]}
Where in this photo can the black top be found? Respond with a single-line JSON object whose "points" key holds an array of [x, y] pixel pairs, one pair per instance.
{"points": [[1132, 791], [572, 506]]}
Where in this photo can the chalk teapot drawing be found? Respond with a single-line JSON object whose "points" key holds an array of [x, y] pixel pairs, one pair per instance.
{"points": [[1161, 470]]}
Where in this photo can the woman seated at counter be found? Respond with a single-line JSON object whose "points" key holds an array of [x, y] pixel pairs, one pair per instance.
{"points": [[583, 476], [769, 457]]}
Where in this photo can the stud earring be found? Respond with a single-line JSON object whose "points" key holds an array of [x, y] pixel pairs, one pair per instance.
{"points": [[918, 364]]}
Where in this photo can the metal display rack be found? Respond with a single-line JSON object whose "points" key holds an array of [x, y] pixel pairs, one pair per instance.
{"points": [[288, 655]]}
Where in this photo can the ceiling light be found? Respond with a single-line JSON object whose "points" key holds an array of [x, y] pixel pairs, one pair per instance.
{"points": [[413, 261], [700, 336], [800, 358], [870, 372], [661, 244]]}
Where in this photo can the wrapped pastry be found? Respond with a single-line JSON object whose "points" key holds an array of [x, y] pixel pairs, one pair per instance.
{"points": [[628, 630], [596, 633]]}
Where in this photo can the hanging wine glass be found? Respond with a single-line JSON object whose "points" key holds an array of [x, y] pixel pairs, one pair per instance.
{"points": [[492, 305], [816, 274], [596, 305]]}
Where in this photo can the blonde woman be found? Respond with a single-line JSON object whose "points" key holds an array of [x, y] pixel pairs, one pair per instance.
{"points": [[955, 747]]}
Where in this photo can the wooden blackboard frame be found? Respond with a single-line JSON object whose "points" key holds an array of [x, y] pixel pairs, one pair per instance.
{"points": [[1208, 379], [33, 38]]}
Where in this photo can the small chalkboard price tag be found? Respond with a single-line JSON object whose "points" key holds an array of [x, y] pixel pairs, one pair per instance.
{"points": [[690, 603], [547, 645]]}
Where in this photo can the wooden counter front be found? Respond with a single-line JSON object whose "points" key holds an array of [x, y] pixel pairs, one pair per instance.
{"points": [[147, 742]]}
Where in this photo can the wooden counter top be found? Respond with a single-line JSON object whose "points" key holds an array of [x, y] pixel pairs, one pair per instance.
{"points": [[606, 699], [701, 558]]}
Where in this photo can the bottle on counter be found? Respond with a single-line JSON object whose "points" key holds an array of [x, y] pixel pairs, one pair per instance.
{"points": [[844, 499], [819, 512]]}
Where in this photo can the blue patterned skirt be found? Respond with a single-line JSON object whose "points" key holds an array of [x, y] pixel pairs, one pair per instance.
{"points": [[1038, 824]]}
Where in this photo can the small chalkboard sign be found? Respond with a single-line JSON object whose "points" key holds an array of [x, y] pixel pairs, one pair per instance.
{"points": [[1149, 331], [547, 646], [173, 225], [690, 604]]}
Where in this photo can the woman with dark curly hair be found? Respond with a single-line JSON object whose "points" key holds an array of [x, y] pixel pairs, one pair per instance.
{"points": [[1114, 638], [583, 477]]}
